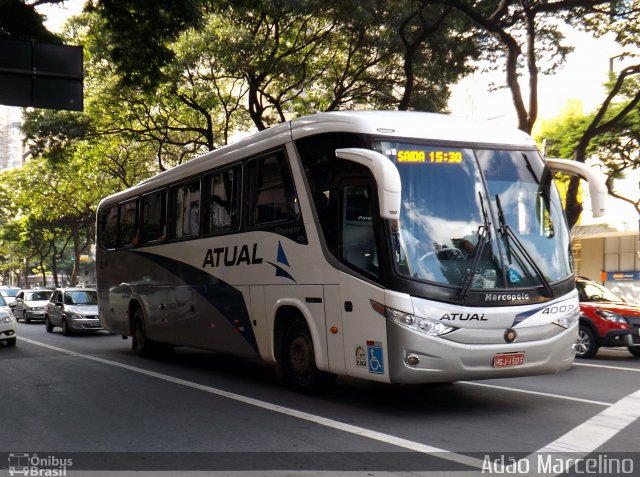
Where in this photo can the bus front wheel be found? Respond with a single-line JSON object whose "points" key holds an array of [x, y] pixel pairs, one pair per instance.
{"points": [[297, 364]]}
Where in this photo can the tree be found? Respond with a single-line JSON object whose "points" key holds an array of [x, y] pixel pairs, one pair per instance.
{"points": [[137, 35], [611, 135], [19, 20], [525, 34]]}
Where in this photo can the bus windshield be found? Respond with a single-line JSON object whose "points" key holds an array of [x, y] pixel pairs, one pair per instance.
{"points": [[478, 218]]}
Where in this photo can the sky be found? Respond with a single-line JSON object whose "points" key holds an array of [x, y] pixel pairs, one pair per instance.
{"points": [[580, 79]]}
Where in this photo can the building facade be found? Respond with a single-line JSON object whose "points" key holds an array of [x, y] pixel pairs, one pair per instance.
{"points": [[613, 259], [10, 137]]}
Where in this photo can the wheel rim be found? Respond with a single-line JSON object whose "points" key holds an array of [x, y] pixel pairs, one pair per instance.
{"points": [[301, 356], [584, 342]]}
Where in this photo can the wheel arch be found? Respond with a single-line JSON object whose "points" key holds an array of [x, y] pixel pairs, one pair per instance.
{"points": [[586, 321], [285, 314]]}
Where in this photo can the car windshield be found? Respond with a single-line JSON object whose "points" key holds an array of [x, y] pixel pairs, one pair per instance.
{"points": [[457, 201], [81, 297], [10, 292], [38, 295], [2, 301], [591, 291]]}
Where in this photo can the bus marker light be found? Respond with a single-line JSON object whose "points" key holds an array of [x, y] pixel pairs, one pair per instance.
{"points": [[334, 330]]}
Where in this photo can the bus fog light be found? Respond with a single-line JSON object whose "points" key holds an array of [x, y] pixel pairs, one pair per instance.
{"points": [[412, 360]]}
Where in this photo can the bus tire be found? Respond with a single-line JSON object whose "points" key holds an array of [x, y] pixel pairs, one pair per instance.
{"points": [[143, 345], [297, 364]]}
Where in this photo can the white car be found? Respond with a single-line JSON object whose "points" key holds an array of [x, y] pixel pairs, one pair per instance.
{"points": [[7, 324], [30, 304], [9, 294]]}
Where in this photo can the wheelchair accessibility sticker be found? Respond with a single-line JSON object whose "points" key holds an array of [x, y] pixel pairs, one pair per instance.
{"points": [[375, 357]]}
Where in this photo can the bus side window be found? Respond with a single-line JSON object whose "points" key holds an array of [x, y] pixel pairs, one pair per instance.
{"points": [[153, 216], [185, 210], [108, 227], [275, 197], [128, 223], [222, 194]]}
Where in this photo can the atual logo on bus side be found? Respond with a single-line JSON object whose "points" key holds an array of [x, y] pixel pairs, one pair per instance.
{"points": [[231, 256], [247, 255]]}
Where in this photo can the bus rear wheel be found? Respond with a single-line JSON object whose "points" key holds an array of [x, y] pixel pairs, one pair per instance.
{"points": [[143, 345], [297, 364]]}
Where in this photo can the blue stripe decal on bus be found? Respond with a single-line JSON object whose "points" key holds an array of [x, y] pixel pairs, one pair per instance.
{"points": [[520, 317], [226, 299]]}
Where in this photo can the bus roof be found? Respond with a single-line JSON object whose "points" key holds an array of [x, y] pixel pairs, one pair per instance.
{"points": [[391, 124], [412, 124]]}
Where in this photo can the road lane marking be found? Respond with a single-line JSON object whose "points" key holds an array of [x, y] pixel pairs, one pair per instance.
{"points": [[583, 440], [606, 366], [323, 421], [590, 435], [538, 393]]}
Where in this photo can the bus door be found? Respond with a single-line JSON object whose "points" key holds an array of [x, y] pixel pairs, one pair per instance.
{"points": [[364, 329]]}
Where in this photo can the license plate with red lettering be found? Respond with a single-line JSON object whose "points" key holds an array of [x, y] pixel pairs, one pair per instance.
{"points": [[505, 360]]}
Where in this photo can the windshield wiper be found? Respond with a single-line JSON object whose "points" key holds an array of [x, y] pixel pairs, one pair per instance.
{"points": [[484, 237], [509, 235]]}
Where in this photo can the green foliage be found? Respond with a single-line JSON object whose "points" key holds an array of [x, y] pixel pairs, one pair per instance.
{"points": [[19, 20], [138, 34], [54, 134]]}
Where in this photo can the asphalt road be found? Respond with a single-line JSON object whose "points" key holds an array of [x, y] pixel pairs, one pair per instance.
{"points": [[91, 400]]}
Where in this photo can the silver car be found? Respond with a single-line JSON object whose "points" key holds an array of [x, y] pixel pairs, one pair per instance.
{"points": [[29, 304], [73, 310], [7, 324]]}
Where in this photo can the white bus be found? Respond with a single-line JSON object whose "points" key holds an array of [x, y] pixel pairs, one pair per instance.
{"points": [[398, 247]]}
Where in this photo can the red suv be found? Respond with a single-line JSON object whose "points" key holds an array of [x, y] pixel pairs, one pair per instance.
{"points": [[605, 320]]}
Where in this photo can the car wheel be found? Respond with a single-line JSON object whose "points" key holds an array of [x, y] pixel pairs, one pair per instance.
{"points": [[297, 364], [634, 350], [586, 347], [47, 324], [66, 330], [142, 344], [11, 342]]}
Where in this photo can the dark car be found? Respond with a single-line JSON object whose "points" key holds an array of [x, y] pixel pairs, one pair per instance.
{"points": [[73, 309], [605, 320]]}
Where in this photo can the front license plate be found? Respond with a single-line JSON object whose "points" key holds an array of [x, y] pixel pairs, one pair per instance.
{"points": [[504, 360]]}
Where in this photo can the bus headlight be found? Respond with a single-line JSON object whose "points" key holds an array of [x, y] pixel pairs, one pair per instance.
{"points": [[415, 323], [568, 320]]}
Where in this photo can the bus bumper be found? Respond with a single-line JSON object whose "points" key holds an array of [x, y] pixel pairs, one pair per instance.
{"points": [[437, 360]]}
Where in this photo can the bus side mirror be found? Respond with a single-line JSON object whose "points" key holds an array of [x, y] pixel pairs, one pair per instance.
{"points": [[386, 175], [597, 186]]}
